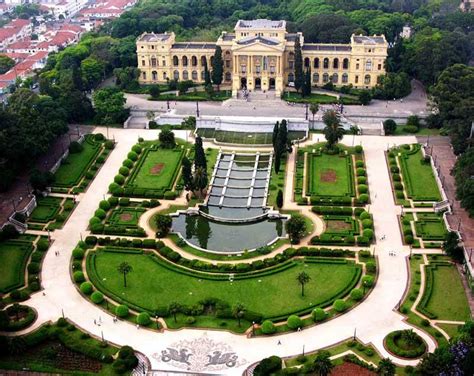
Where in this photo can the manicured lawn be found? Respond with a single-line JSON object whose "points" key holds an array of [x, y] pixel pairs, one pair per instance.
{"points": [[448, 299], [317, 98], [153, 284], [127, 217], [46, 210], [158, 169], [75, 165], [330, 175], [450, 329], [14, 255], [195, 96], [253, 138], [418, 177], [430, 226]]}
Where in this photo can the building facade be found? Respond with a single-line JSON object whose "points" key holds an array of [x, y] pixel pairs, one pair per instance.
{"points": [[260, 55]]}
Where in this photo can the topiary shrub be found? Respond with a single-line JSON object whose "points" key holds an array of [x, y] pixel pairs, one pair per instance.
{"points": [[143, 319], [364, 215], [104, 205], [339, 305], [358, 149], [398, 186], [124, 171], [368, 233], [361, 180], [318, 314], [370, 266], [360, 171], [362, 188], [399, 194], [33, 267], [121, 310], [367, 223], [97, 297], [357, 294], [268, 327], [86, 288], [294, 322], [132, 156], [75, 147], [363, 198], [42, 245], [78, 277], [409, 239], [396, 177], [100, 213], [119, 179], [109, 144], [128, 163], [407, 231], [78, 253], [137, 149], [368, 281]]}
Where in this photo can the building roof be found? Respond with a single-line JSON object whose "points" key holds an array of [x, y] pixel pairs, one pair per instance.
{"points": [[260, 24], [363, 39], [228, 37], [291, 37], [259, 39], [152, 37], [195, 46], [325, 47]]}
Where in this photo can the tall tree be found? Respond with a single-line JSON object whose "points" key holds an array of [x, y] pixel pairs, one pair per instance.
{"points": [[275, 134], [299, 76], [166, 138], [200, 179], [322, 364], [333, 130], [124, 268], [217, 67], [386, 367], [238, 311], [207, 75], [187, 173], [303, 278], [314, 108], [282, 136], [306, 92], [174, 309], [199, 154]]}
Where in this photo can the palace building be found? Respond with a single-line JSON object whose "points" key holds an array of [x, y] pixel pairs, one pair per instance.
{"points": [[259, 55]]}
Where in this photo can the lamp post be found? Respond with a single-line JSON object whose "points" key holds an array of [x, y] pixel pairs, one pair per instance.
{"points": [[306, 111], [197, 108], [355, 334], [253, 328], [168, 105]]}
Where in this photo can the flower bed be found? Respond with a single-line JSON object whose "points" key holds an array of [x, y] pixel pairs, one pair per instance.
{"points": [[405, 344]]}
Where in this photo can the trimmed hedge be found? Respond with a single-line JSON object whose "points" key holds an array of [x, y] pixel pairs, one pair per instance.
{"points": [[391, 345]]}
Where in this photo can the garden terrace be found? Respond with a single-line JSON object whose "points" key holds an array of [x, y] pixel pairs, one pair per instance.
{"points": [[332, 278], [423, 229], [330, 179], [245, 138], [149, 171], [79, 168], [21, 265], [50, 213], [442, 276], [412, 176]]}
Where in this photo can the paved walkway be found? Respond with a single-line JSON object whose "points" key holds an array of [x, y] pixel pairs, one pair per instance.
{"points": [[372, 319]]}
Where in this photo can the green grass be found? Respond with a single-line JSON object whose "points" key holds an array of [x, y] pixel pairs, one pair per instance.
{"points": [[154, 284], [126, 217], [246, 138], [450, 329], [199, 96], [316, 98], [422, 132], [448, 306], [14, 255], [430, 226], [277, 182], [322, 168], [46, 209], [75, 165], [418, 177], [166, 159]]}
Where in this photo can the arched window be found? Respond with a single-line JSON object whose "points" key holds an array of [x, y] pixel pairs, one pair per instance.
{"points": [[203, 60], [326, 63], [316, 63], [334, 78], [185, 61], [335, 63], [367, 79], [291, 77], [345, 78], [175, 61], [144, 75], [185, 75], [164, 76], [194, 61], [228, 76], [325, 78], [203, 75], [176, 75], [194, 75], [306, 62], [315, 77], [345, 63], [153, 61], [154, 75], [368, 65]]}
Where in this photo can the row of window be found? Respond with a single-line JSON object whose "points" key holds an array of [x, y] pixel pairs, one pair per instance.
{"points": [[334, 78], [317, 64], [185, 76]]}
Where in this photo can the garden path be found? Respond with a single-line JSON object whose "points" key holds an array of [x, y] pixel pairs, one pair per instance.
{"points": [[370, 321]]}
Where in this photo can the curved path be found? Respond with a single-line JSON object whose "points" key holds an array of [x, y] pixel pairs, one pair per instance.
{"points": [[372, 319]]}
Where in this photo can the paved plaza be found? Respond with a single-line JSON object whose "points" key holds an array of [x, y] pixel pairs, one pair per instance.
{"points": [[370, 321]]}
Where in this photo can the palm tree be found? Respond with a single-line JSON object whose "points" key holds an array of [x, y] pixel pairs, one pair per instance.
{"points": [[322, 363], [333, 130], [386, 367], [314, 108], [303, 278], [174, 308], [410, 337], [200, 179], [124, 268], [238, 311]]}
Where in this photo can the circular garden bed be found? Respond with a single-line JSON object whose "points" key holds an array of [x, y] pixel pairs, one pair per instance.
{"points": [[17, 317], [405, 344]]}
